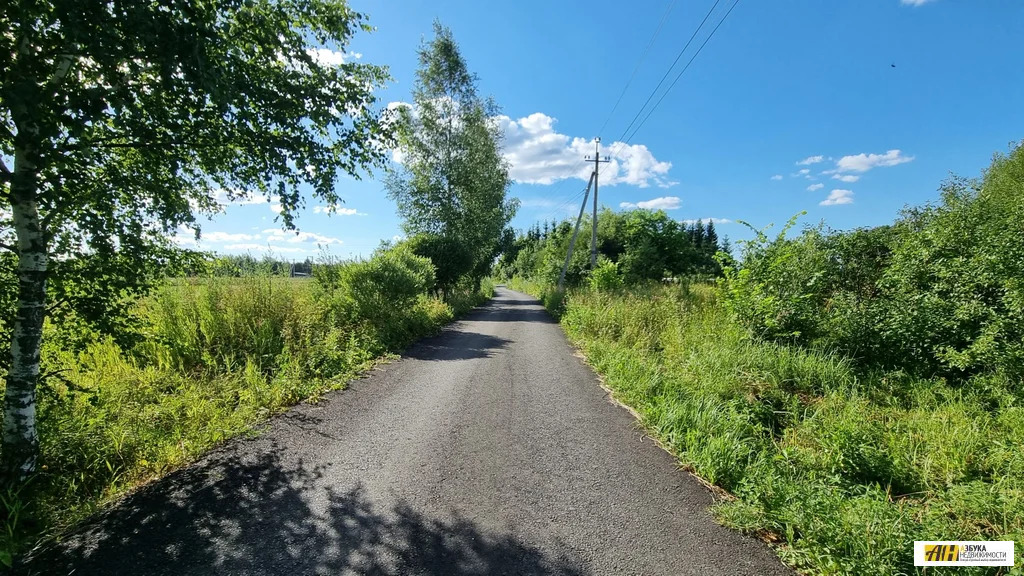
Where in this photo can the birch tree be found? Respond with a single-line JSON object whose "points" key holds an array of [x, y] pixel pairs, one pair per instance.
{"points": [[119, 120], [453, 181]]}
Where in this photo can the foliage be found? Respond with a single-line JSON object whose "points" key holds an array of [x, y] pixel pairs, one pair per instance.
{"points": [[451, 258], [220, 355], [123, 120], [956, 280], [389, 281], [644, 245], [938, 293], [451, 187], [606, 276], [843, 471]]}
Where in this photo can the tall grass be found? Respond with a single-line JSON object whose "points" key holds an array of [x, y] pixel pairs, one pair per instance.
{"points": [[843, 471], [222, 354]]}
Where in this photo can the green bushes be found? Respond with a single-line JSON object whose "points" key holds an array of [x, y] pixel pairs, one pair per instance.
{"points": [[606, 276], [939, 293], [645, 246], [845, 469], [854, 391], [220, 355]]}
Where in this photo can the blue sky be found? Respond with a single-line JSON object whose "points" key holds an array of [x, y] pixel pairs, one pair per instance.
{"points": [[792, 105]]}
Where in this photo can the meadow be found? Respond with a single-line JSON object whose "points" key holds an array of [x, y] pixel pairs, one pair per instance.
{"points": [[219, 355]]}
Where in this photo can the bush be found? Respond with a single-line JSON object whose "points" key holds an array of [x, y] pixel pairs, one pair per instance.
{"points": [[956, 283], [940, 292], [843, 470], [452, 259], [388, 282], [783, 284], [605, 276]]}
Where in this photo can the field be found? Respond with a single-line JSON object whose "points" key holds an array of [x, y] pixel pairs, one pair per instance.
{"points": [[219, 356]]}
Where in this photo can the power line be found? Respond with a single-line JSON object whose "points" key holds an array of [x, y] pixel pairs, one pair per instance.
{"points": [[636, 68], [681, 72], [669, 71], [623, 139]]}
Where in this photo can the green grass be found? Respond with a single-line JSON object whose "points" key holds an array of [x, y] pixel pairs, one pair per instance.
{"points": [[843, 470], [220, 356]]}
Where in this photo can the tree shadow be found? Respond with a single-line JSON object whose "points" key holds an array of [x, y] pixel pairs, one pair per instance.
{"points": [[231, 515], [516, 314], [514, 302], [457, 345]]}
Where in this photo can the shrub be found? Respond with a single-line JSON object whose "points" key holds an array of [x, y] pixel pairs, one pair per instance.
{"points": [[606, 276], [388, 282], [780, 290], [956, 283]]}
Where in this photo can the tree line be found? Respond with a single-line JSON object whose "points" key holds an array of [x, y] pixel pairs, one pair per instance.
{"points": [[633, 246]]}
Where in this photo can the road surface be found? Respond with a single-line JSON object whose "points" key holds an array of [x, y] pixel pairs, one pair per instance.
{"points": [[488, 449]]}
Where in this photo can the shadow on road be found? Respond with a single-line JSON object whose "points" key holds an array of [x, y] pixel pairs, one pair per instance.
{"points": [[512, 302], [457, 345], [257, 517], [512, 311]]}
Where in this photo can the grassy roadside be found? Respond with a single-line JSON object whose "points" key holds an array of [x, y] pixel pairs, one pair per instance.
{"points": [[844, 470], [220, 356]]}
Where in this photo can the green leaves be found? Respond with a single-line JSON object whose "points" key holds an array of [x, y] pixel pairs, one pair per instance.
{"points": [[124, 118], [453, 182]]}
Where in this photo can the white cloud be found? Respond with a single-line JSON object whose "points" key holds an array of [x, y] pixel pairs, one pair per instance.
{"points": [[810, 160], [837, 197], [266, 248], [777, 177], [846, 177], [227, 237], [278, 235], [240, 197], [865, 162], [185, 236], [706, 220], [915, 2], [276, 208], [327, 57], [338, 211], [663, 203], [814, 187], [538, 154]]}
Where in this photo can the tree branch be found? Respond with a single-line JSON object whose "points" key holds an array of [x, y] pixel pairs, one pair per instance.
{"points": [[57, 304]]}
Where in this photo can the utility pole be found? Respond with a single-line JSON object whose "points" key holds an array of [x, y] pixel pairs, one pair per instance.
{"points": [[597, 170], [575, 232]]}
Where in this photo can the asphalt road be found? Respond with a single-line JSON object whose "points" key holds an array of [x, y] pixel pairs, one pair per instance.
{"points": [[489, 449]]}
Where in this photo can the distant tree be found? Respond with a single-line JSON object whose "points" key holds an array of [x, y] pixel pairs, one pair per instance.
{"points": [[122, 119], [699, 235], [453, 181], [726, 245], [710, 239]]}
